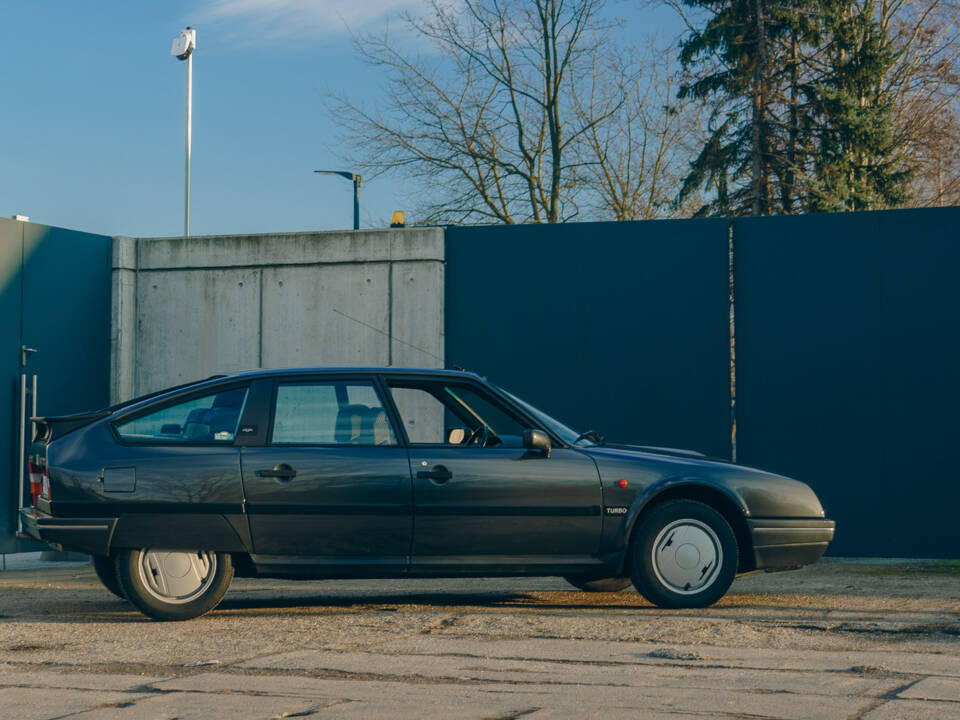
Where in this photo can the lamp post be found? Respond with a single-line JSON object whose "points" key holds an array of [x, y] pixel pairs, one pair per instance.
{"points": [[357, 179], [183, 46]]}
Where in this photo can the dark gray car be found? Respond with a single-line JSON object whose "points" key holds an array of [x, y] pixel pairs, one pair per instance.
{"points": [[384, 472]]}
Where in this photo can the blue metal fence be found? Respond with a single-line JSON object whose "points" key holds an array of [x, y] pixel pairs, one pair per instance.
{"points": [[54, 326], [847, 349]]}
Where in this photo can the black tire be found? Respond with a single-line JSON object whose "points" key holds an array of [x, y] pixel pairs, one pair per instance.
{"points": [[106, 570], [174, 584], [684, 555], [588, 584]]}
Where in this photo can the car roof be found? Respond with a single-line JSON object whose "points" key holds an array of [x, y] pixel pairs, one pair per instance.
{"points": [[328, 370], [162, 395]]}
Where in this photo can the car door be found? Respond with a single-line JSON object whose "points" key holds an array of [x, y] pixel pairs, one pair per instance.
{"points": [[490, 505], [331, 485]]}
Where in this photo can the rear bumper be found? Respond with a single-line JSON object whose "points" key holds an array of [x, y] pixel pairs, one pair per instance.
{"points": [[783, 543], [89, 535]]}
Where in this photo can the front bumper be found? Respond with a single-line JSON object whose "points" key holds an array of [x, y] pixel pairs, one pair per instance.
{"points": [[89, 535], [783, 543]]}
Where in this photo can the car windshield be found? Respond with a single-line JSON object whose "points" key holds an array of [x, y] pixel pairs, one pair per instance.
{"points": [[558, 428]]}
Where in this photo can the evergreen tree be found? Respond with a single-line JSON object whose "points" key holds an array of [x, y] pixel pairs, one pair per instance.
{"points": [[746, 61], [857, 164], [801, 119]]}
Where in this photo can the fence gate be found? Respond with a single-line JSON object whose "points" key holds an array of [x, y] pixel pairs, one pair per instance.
{"points": [[54, 340]]}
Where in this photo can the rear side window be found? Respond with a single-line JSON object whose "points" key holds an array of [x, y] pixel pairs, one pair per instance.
{"points": [[331, 413], [208, 419]]}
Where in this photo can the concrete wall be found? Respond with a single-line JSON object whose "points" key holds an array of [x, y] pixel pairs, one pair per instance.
{"points": [[186, 308]]}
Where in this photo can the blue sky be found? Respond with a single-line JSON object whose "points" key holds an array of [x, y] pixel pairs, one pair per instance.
{"points": [[92, 123]]}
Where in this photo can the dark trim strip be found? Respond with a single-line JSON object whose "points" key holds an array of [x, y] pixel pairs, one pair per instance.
{"points": [[510, 510], [781, 523], [80, 522], [81, 509], [267, 508], [73, 527]]}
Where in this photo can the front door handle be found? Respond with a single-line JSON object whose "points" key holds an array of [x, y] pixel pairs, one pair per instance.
{"points": [[438, 473], [282, 471]]}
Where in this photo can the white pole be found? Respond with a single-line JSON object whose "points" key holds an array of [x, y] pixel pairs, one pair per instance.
{"points": [[23, 449], [186, 211], [33, 401]]}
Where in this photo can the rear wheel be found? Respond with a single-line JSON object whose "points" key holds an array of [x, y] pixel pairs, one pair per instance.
{"points": [[106, 570], [684, 555], [174, 584], [589, 584]]}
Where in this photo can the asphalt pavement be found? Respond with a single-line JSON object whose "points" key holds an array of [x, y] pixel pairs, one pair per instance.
{"points": [[837, 640]]}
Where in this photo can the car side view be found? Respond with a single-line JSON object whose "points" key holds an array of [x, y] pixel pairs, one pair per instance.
{"points": [[317, 473]]}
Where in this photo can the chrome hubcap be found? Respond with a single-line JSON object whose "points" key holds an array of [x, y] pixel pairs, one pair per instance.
{"points": [[176, 576], [687, 556]]}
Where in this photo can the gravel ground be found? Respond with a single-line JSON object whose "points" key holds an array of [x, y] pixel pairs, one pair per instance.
{"points": [[835, 640]]}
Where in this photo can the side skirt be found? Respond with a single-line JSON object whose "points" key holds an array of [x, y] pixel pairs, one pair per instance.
{"points": [[307, 567]]}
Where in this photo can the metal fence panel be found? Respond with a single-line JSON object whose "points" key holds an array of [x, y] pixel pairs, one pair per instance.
{"points": [[55, 299], [848, 370], [622, 327], [11, 256], [66, 317]]}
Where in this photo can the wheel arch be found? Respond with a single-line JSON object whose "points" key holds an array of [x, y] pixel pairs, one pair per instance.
{"points": [[720, 499]]}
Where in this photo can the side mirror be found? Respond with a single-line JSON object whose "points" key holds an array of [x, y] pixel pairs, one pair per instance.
{"points": [[537, 440], [170, 429]]}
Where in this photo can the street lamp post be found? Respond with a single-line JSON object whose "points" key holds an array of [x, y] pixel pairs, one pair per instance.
{"points": [[357, 179], [183, 46]]}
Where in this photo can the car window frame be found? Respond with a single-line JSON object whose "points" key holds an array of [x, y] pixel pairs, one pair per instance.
{"points": [[179, 398], [325, 379]]}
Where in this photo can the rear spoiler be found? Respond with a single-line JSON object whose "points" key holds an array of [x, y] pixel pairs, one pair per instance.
{"points": [[48, 427]]}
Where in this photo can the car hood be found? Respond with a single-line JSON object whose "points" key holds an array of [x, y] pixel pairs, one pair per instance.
{"points": [[672, 452], [634, 451]]}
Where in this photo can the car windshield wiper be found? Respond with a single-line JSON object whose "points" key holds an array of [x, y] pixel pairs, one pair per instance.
{"points": [[590, 435]]}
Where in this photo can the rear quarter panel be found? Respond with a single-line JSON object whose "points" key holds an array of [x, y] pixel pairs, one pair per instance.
{"points": [[180, 497]]}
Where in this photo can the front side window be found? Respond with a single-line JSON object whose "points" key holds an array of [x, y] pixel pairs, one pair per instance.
{"points": [[209, 419], [454, 414], [330, 413]]}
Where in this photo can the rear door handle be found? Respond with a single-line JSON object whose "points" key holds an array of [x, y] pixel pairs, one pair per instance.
{"points": [[282, 471], [438, 473]]}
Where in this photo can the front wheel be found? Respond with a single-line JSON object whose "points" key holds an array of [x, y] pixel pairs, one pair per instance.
{"points": [[684, 555], [593, 584], [174, 584]]}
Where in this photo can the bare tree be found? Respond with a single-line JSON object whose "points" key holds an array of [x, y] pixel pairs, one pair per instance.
{"points": [[925, 85], [520, 111], [487, 116], [636, 162]]}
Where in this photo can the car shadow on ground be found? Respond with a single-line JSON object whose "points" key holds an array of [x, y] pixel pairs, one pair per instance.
{"points": [[436, 600], [97, 606]]}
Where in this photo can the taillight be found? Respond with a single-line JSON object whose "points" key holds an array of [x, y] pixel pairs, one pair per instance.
{"points": [[45, 484], [36, 481]]}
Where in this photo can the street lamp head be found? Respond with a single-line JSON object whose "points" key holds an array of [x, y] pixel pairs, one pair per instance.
{"points": [[184, 44], [358, 179]]}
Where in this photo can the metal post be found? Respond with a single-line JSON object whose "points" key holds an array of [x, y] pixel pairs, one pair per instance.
{"points": [[186, 205], [23, 431], [356, 202], [33, 407]]}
